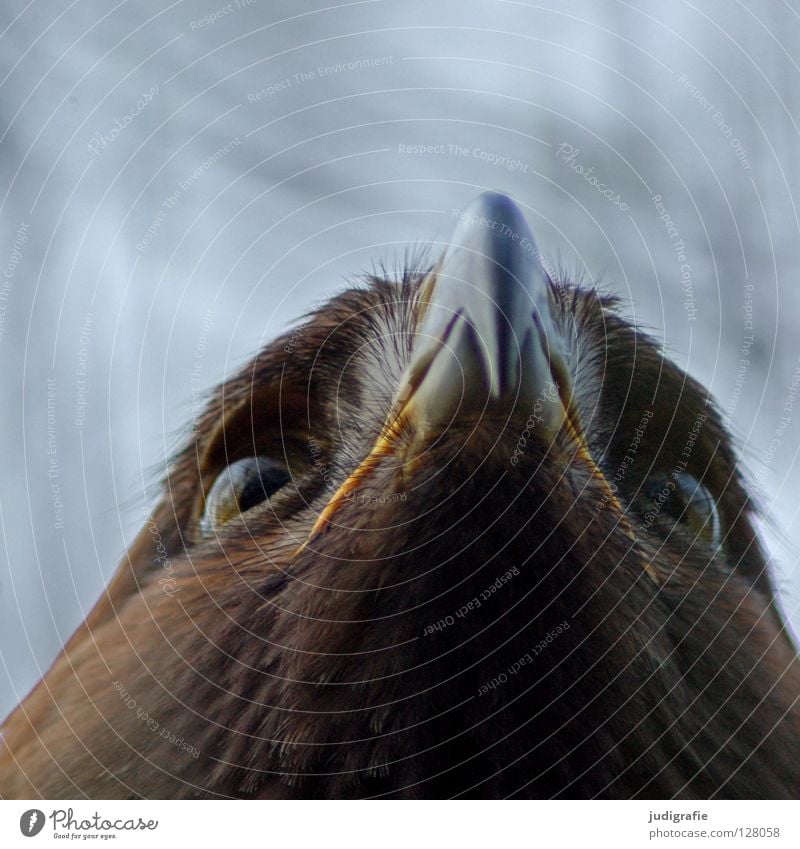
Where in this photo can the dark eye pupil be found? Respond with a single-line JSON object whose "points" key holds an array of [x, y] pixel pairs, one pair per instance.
{"points": [[238, 488], [682, 498], [669, 497], [264, 479]]}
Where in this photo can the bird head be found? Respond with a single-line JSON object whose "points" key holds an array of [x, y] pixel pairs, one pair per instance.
{"points": [[465, 532]]}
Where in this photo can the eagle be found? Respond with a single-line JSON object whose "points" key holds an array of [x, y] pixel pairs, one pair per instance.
{"points": [[466, 531]]}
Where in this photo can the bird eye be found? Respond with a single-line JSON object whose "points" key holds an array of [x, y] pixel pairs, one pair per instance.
{"points": [[238, 488], [682, 498]]}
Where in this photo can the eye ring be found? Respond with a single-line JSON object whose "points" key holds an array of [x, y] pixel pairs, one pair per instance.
{"points": [[239, 487]]}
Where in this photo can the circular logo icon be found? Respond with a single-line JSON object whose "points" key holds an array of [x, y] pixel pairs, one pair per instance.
{"points": [[31, 822]]}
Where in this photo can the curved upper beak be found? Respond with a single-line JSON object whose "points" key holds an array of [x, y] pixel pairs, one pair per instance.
{"points": [[485, 339], [486, 335]]}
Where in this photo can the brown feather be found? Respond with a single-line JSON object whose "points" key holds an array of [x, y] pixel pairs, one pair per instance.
{"points": [[255, 672]]}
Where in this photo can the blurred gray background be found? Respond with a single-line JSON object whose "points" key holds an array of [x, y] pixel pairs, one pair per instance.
{"points": [[180, 181]]}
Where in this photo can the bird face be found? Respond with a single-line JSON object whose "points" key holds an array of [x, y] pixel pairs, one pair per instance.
{"points": [[469, 533]]}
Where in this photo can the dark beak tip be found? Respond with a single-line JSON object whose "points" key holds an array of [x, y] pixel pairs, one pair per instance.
{"points": [[499, 214]]}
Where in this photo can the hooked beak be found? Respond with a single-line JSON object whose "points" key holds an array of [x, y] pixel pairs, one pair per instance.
{"points": [[485, 339]]}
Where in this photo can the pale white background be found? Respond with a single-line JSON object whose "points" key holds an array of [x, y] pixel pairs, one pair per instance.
{"points": [[599, 823], [317, 188]]}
